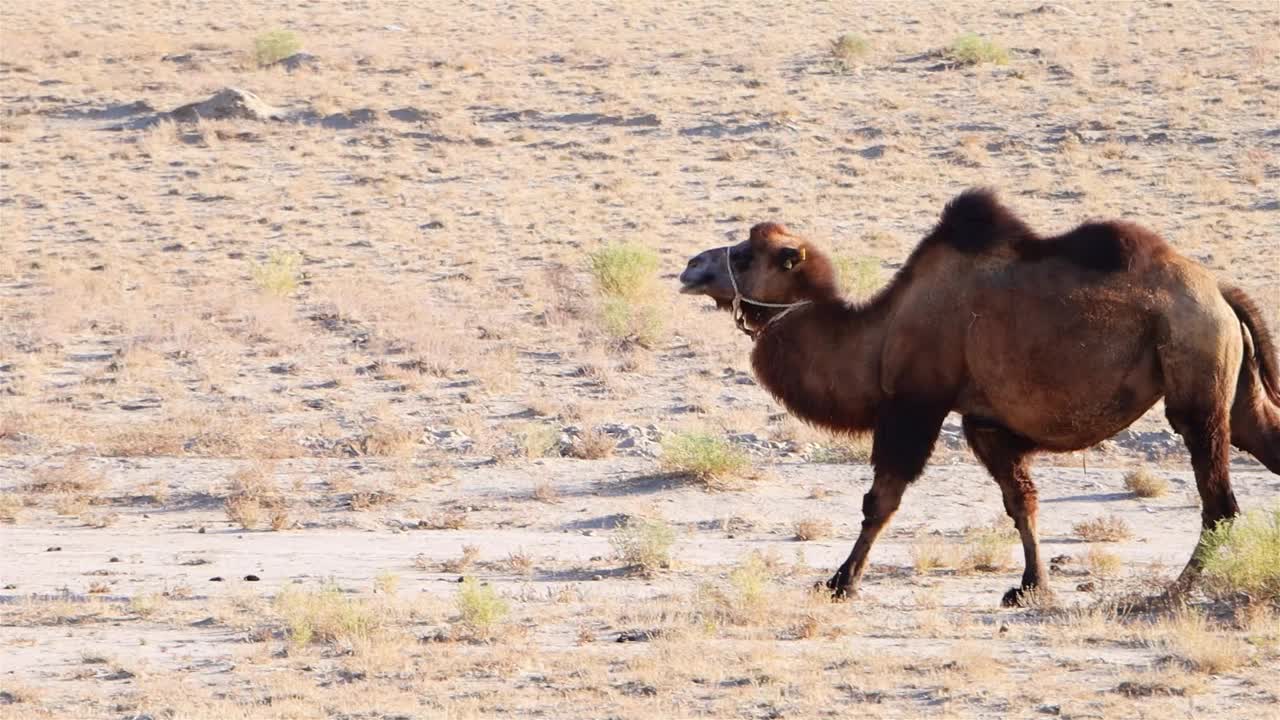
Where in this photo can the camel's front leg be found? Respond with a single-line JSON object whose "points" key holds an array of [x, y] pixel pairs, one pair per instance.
{"points": [[904, 437]]}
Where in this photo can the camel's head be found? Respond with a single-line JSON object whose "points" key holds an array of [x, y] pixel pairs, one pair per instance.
{"points": [[771, 266]]}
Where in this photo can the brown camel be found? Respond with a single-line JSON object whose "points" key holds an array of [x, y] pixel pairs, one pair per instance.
{"points": [[1040, 343]]}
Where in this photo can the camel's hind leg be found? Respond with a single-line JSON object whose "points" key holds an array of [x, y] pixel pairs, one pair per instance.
{"points": [[904, 437], [1207, 436], [1005, 455], [1255, 420]]}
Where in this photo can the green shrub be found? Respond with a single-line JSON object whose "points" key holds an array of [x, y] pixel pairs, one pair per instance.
{"points": [[480, 609], [326, 616], [274, 46], [624, 270], [972, 49], [644, 544], [708, 458], [279, 274], [1242, 556]]}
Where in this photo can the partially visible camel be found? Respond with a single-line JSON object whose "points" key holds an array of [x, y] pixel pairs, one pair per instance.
{"points": [[1040, 343]]}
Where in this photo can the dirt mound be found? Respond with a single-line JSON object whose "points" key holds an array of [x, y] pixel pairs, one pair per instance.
{"points": [[226, 104]]}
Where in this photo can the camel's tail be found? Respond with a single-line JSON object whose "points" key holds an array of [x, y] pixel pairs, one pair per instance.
{"points": [[1264, 347], [1255, 413]]}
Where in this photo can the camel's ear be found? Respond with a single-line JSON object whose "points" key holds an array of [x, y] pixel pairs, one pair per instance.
{"points": [[791, 257]]}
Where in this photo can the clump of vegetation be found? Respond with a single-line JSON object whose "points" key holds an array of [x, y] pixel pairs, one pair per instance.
{"points": [[629, 308], [932, 553], [708, 458], [843, 450], [1202, 647], [1242, 557], [644, 544], [847, 50], [279, 274], [593, 445], [253, 495], [810, 529], [1102, 563], [987, 546], [1146, 484], [624, 270], [275, 45], [327, 617], [973, 49], [538, 440], [480, 610], [1106, 528], [470, 553]]}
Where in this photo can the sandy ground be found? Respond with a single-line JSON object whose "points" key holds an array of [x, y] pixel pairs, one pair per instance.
{"points": [[367, 317]]}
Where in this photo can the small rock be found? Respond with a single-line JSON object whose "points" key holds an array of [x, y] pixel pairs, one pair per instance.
{"points": [[251, 578], [1086, 587], [597, 577], [216, 578], [55, 548]]}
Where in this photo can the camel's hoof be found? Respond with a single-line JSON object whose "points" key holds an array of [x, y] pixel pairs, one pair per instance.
{"points": [[1018, 597], [838, 591]]}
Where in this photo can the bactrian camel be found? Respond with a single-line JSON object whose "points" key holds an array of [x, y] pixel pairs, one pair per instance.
{"points": [[1040, 343]]}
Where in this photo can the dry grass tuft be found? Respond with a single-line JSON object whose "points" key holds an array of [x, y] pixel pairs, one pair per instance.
{"points": [[1146, 484], [1201, 645], [1101, 562], [1106, 528]]}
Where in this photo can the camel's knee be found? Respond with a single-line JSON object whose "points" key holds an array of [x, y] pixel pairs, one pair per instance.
{"points": [[878, 506]]}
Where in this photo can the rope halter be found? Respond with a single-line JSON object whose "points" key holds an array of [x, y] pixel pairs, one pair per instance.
{"points": [[739, 316]]}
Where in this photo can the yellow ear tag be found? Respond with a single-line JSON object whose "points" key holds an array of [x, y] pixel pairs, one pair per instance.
{"points": [[802, 255]]}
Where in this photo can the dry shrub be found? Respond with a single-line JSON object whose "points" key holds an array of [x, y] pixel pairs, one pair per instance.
{"points": [[593, 445], [644, 544], [520, 562], [11, 507], [74, 477], [1105, 528], [1146, 484], [810, 529], [463, 561], [630, 308], [252, 493], [1102, 562], [545, 491], [444, 521]]}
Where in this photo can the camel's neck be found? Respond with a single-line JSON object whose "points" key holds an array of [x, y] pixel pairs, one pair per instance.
{"points": [[823, 362]]}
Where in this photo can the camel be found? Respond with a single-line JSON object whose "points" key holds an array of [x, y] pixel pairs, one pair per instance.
{"points": [[1041, 344]]}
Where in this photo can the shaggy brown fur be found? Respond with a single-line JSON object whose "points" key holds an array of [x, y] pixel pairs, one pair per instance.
{"points": [[1040, 343]]}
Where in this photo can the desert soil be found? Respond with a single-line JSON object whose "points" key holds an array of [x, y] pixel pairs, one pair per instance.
{"points": [[345, 348]]}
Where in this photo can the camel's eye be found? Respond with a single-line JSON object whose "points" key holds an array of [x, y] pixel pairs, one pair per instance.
{"points": [[790, 257]]}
